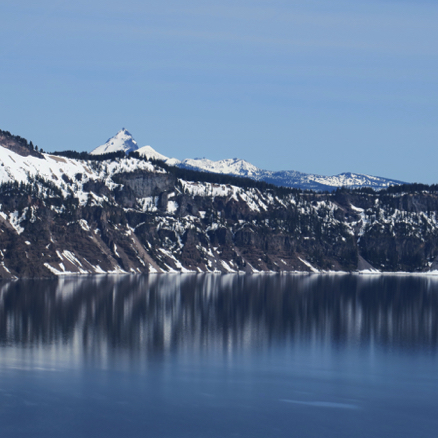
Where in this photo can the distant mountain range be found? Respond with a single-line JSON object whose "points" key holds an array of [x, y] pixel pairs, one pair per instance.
{"points": [[123, 141]]}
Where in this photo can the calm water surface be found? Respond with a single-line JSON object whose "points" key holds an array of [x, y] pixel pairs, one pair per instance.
{"points": [[219, 356]]}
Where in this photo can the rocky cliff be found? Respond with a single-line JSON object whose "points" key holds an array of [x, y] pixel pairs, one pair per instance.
{"points": [[61, 215]]}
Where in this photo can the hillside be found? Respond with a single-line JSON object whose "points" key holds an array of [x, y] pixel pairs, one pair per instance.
{"points": [[64, 215]]}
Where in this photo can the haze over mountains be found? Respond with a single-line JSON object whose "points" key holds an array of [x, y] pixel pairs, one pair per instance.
{"points": [[123, 141]]}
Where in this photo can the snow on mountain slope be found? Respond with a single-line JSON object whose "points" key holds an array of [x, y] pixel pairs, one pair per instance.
{"points": [[122, 141], [231, 166], [151, 154], [353, 180], [128, 215], [238, 167], [57, 169], [287, 178], [15, 167]]}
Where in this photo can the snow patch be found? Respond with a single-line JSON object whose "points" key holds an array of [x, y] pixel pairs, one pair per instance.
{"points": [[15, 220], [308, 265], [172, 207]]}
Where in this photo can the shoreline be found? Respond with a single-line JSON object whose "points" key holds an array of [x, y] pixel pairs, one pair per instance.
{"points": [[77, 275]]}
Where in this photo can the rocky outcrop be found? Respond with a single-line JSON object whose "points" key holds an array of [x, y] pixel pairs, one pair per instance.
{"points": [[18, 145], [145, 184]]}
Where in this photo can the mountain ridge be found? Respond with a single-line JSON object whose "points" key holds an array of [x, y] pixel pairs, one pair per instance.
{"points": [[91, 214], [242, 168]]}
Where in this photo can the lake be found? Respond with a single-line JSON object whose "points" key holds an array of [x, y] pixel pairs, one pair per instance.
{"points": [[219, 356]]}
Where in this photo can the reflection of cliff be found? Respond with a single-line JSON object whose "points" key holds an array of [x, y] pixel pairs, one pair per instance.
{"points": [[160, 313]]}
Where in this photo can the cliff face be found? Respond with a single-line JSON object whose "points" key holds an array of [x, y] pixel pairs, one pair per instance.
{"points": [[61, 215]]}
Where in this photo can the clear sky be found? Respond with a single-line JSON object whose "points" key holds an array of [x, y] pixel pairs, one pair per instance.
{"points": [[317, 86]]}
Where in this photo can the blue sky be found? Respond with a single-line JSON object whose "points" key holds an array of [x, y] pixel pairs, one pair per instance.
{"points": [[315, 86]]}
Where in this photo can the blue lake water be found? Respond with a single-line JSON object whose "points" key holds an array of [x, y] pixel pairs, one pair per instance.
{"points": [[219, 356]]}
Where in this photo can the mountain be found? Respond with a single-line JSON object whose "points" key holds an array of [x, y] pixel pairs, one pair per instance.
{"points": [[288, 178], [234, 166], [96, 214], [122, 141]]}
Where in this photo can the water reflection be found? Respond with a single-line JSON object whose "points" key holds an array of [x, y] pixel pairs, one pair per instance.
{"points": [[157, 314]]}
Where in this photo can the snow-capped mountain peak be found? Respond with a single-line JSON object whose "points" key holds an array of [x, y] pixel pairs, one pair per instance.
{"points": [[122, 141], [151, 154]]}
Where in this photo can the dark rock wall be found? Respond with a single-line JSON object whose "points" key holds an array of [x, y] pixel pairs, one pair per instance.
{"points": [[41, 235]]}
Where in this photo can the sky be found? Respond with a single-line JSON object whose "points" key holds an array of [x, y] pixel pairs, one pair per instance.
{"points": [[316, 86]]}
